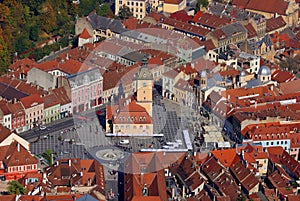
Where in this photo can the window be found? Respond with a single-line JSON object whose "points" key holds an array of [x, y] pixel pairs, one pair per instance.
{"points": [[267, 143], [28, 167], [285, 142], [272, 143]]}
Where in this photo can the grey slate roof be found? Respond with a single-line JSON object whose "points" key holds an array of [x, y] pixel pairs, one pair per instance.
{"points": [[103, 23], [9, 92], [266, 39], [87, 197], [253, 83], [230, 29], [85, 77]]}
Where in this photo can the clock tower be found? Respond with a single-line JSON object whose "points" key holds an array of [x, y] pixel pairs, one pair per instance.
{"points": [[144, 83]]}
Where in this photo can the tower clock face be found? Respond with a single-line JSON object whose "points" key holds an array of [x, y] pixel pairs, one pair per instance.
{"points": [[144, 75]]}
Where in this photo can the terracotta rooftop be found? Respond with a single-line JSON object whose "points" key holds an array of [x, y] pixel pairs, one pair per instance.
{"points": [[173, 1], [211, 20], [31, 101], [85, 34], [269, 6], [181, 16], [282, 76], [16, 155], [132, 113], [290, 87], [5, 132], [275, 23], [50, 100], [227, 157], [244, 176]]}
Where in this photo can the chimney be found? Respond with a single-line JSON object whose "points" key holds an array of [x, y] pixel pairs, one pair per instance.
{"points": [[142, 178]]}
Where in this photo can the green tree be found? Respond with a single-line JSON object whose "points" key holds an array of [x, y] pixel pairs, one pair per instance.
{"points": [[203, 3], [125, 13], [48, 156], [34, 32], [4, 54], [103, 9], [15, 188], [291, 64], [86, 6]]}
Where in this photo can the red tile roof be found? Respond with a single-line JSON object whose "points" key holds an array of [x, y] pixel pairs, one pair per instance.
{"points": [[275, 23], [251, 31], [227, 157], [68, 66], [146, 198], [244, 176], [172, 1], [282, 76], [8, 198], [50, 100], [61, 95], [290, 87], [5, 132], [132, 113], [240, 3], [269, 6], [186, 27], [15, 156], [212, 20], [181, 16], [132, 24], [31, 101], [85, 34]]}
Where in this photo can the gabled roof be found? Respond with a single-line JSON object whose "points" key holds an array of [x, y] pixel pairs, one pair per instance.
{"points": [[4, 133], [274, 24], [183, 85], [269, 6], [61, 95], [227, 157], [85, 34], [50, 100], [104, 23], [8, 198], [173, 1], [282, 76], [171, 74], [9, 92], [181, 16], [17, 155], [211, 20], [290, 87], [31, 101], [132, 113], [251, 31], [244, 176]]}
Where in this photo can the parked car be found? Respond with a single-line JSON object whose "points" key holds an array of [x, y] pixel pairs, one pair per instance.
{"points": [[43, 127], [124, 142]]}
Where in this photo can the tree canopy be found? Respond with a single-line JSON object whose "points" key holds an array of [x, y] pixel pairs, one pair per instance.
{"points": [[125, 13], [15, 188], [25, 24]]}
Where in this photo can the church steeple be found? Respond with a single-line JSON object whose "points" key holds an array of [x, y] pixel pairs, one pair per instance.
{"points": [[144, 73], [144, 87]]}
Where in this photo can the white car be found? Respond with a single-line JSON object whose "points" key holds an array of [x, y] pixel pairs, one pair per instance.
{"points": [[124, 142], [43, 127]]}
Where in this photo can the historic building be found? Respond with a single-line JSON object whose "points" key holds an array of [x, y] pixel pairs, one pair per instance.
{"points": [[135, 117]]}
